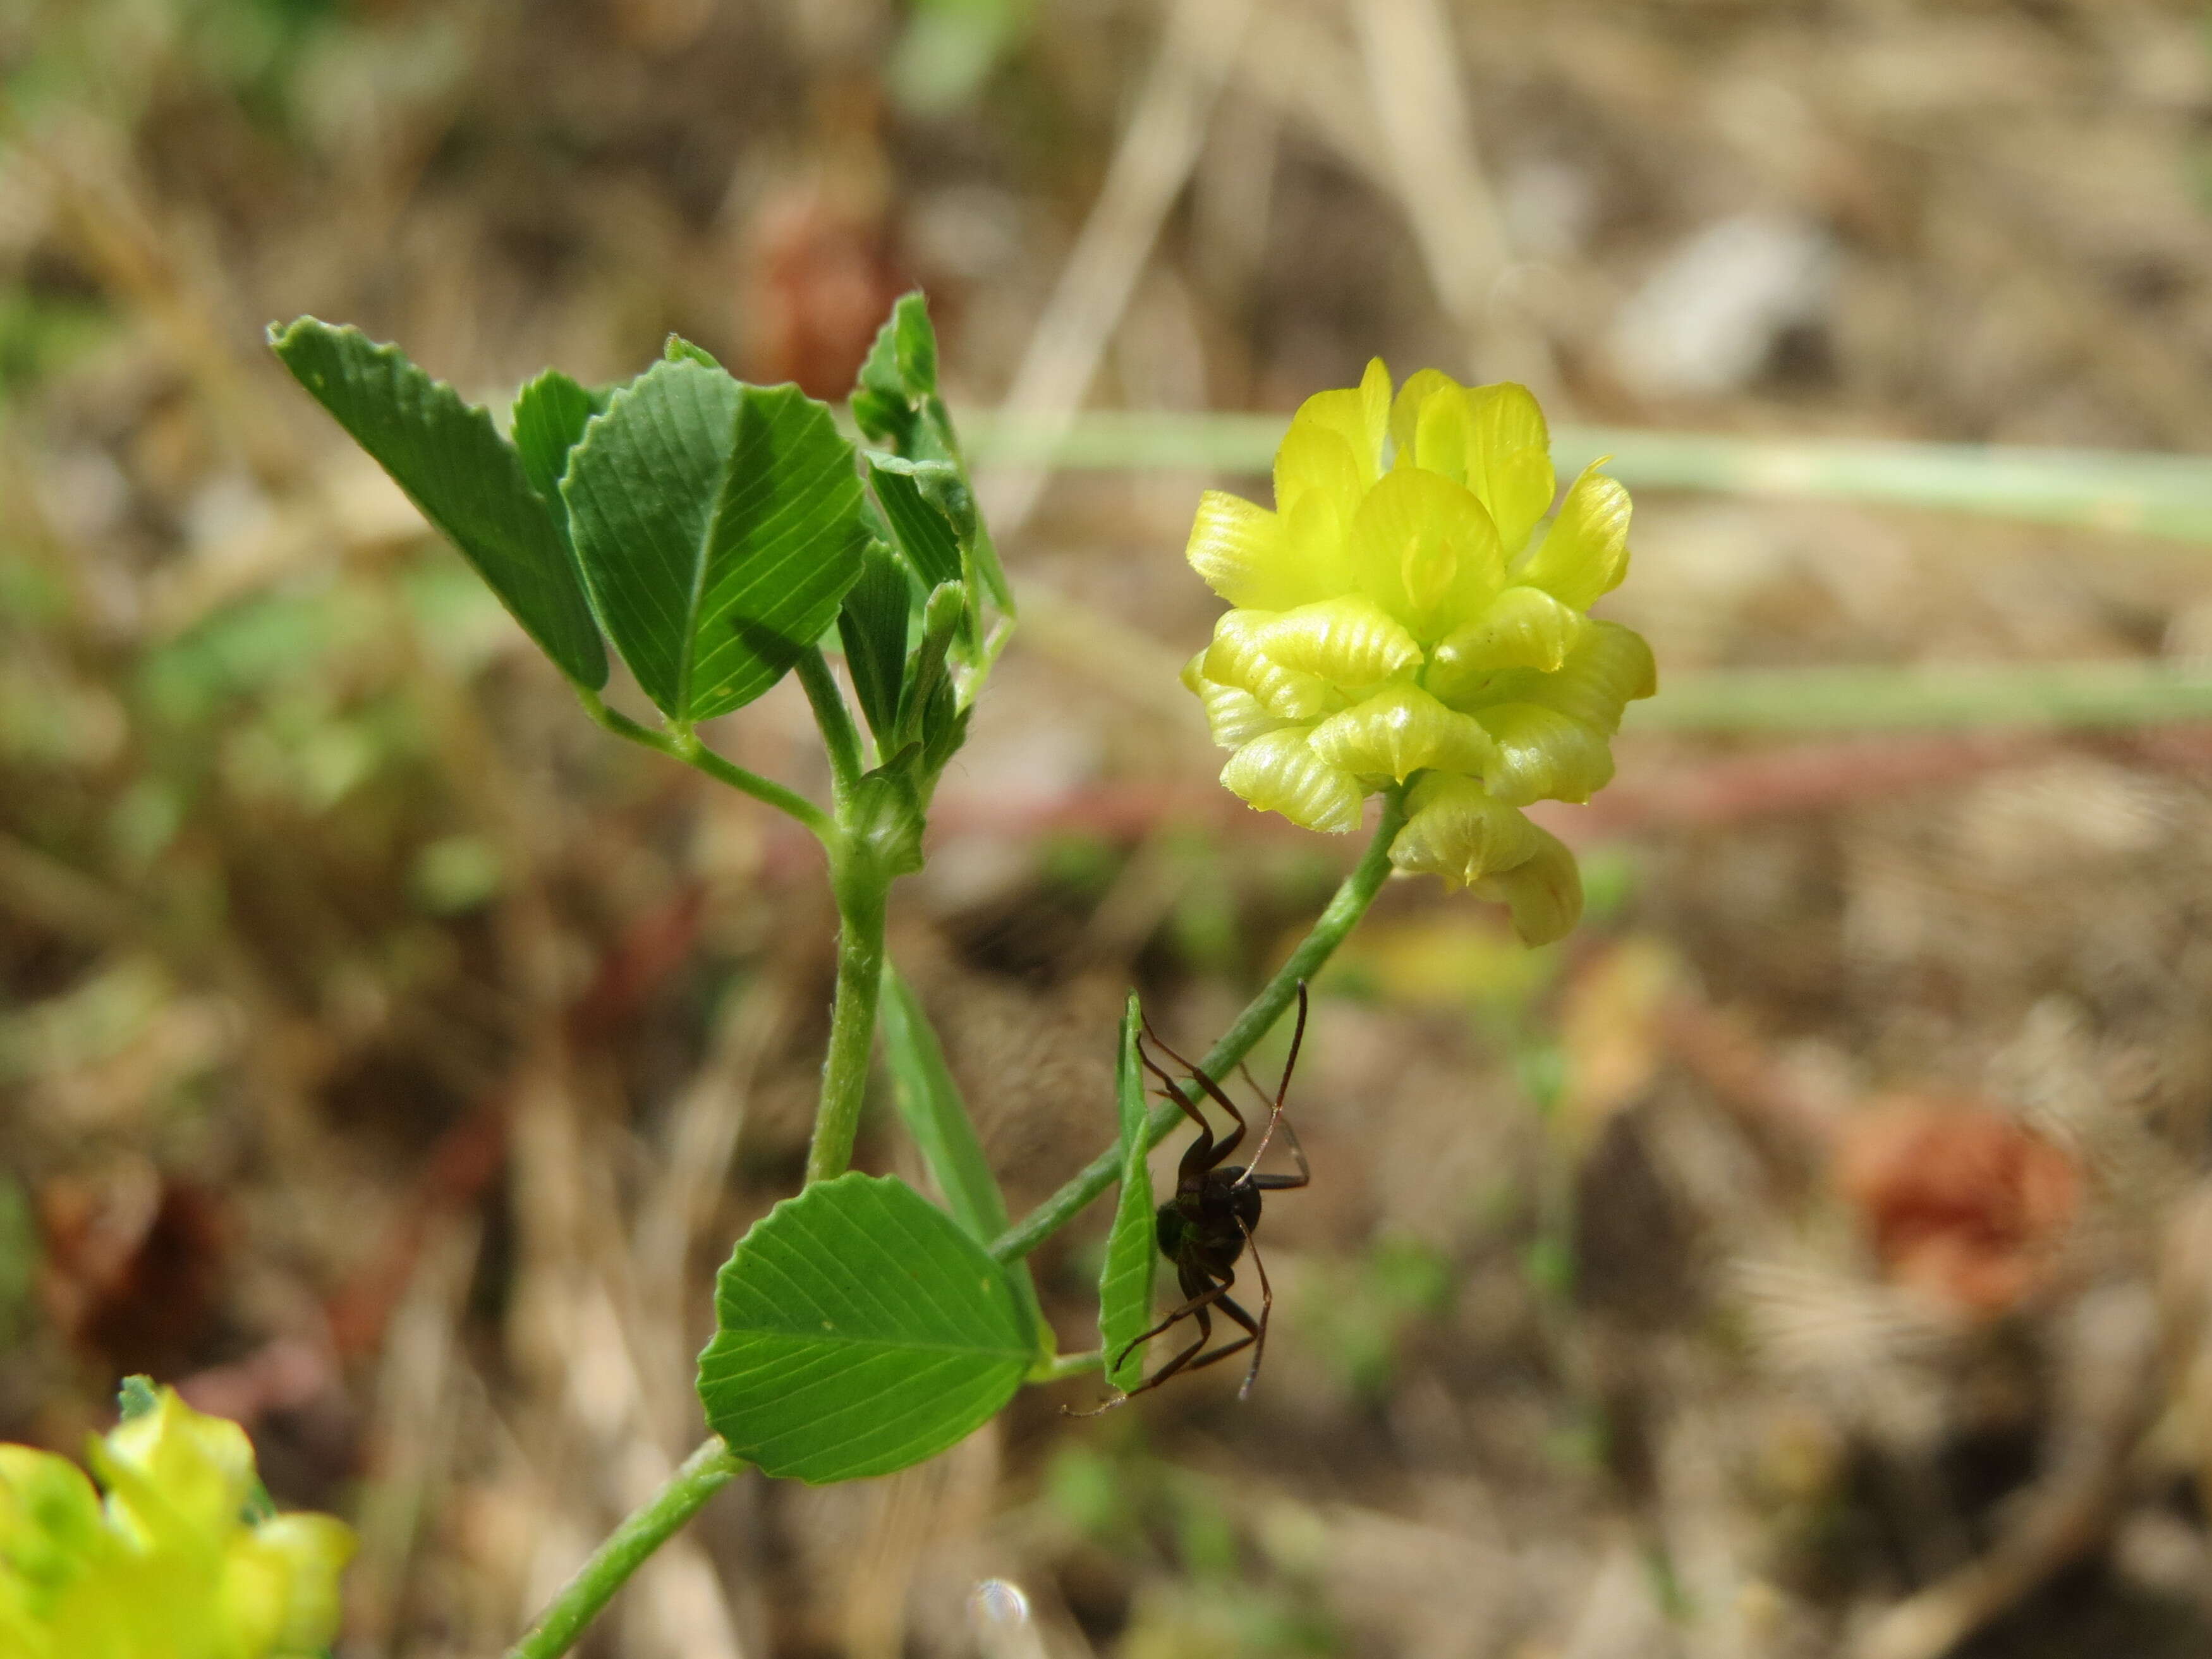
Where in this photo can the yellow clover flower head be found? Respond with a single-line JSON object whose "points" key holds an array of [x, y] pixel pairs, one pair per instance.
{"points": [[1405, 614], [170, 1566]]}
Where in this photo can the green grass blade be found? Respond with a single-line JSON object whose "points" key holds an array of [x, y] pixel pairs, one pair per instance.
{"points": [[2146, 494], [935, 1115], [2022, 696]]}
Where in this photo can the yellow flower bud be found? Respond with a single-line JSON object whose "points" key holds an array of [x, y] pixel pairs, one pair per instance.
{"points": [[1280, 773], [170, 1567], [1348, 642], [1454, 830], [1543, 892], [1406, 617], [1238, 657], [1402, 730], [1543, 755], [1234, 717]]}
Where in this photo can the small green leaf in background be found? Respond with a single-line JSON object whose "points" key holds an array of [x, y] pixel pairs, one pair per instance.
{"points": [[1125, 1284], [873, 628], [949, 49], [861, 1330], [719, 526], [930, 1103], [466, 479]]}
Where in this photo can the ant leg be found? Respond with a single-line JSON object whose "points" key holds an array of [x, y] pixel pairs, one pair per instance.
{"points": [[1282, 1092], [1278, 1183], [1255, 1333], [1212, 1090], [1197, 1303], [1199, 1157], [1267, 1308], [1218, 1295], [1202, 1296]]}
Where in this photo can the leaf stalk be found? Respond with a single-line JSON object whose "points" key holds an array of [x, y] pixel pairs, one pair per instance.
{"points": [[706, 1472]]}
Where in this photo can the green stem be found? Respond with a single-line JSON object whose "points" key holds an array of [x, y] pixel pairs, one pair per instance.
{"points": [[649, 1526], [836, 719], [685, 747], [1345, 909], [863, 893]]}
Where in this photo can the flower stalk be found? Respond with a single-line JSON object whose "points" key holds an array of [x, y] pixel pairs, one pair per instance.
{"points": [[1344, 911]]}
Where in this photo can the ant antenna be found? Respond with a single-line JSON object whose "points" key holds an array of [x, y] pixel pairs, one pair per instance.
{"points": [[1275, 1117]]}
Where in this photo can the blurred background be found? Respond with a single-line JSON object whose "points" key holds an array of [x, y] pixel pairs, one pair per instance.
{"points": [[1812, 1256]]}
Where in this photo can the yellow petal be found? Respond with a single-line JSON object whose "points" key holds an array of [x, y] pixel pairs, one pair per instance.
{"points": [[1442, 434], [1399, 731], [1350, 642], [1524, 627], [50, 1526], [1374, 407], [1456, 831], [1424, 526], [1244, 556], [1584, 554], [175, 1470], [1314, 458], [1544, 755], [1314, 535], [1405, 412], [1545, 891], [1238, 659], [1510, 459], [1607, 670], [1280, 773], [1234, 717], [280, 1584]]}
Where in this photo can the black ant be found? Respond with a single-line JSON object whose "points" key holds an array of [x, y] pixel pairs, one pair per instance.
{"points": [[1209, 1222]]}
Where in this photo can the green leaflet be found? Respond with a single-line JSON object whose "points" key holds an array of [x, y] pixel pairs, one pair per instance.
{"points": [[925, 533], [861, 1330], [549, 415], [466, 479], [1125, 1284], [719, 525], [897, 404], [937, 1117], [873, 628]]}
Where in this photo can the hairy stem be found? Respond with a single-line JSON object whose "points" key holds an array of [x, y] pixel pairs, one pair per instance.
{"points": [[1345, 909], [863, 894], [839, 735], [649, 1526]]}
